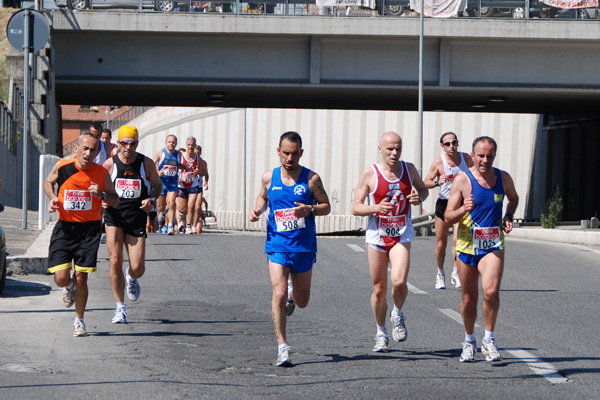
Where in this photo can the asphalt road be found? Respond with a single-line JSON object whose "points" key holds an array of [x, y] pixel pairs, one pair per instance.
{"points": [[202, 329]]}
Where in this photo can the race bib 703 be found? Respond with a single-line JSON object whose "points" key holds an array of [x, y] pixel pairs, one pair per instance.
{"points": [[128, 188]]}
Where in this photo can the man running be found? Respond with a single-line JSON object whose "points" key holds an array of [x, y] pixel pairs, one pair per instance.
{"points": [[442, 173], [475, 202], [189, 185], [137, 183], [390, 188], [294, 195], [84, 187], [167, 163], [197, 217], [106, 137]]}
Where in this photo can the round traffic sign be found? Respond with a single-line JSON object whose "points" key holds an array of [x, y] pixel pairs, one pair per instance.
{"points": [[39, 30]]}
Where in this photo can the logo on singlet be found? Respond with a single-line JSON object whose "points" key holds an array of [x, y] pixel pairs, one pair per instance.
{"points": [[299, 190]]}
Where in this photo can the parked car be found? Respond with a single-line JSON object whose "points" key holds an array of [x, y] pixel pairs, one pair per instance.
{"points": [[579, 13], [210, 220], [158, 5], [2, 255], [508, 8]]}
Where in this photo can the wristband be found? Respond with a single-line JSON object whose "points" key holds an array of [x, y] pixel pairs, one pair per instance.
{"points": [[103, 196]]}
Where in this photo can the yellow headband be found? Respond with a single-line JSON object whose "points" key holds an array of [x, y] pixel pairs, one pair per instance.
{"points": [[128, 131]]}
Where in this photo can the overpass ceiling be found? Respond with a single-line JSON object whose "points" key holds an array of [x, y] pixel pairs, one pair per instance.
{"points": [[470, 65]]}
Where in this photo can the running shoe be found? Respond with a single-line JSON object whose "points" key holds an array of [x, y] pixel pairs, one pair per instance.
{"points": [[455, 280], [283, 358], [468, 352], [490, 350], [120, 316], [170, 231], [133, 287], [181, 227], [399, 332], [79, 328], [69, 296], [188, 230], [290, 307], [381, 343], [194, 230], [440, 281]]}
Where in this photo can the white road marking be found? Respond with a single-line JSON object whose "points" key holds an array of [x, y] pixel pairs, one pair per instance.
{"points": [[455, 316], [356, 248], [538, 366], [414, 289]]}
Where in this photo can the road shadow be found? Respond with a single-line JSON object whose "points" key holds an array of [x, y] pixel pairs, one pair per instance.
{"points": [[159, 334], [14, 288]]}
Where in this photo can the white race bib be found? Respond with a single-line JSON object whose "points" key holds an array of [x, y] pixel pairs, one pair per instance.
{"points": [[169, 170], [486, 238], [187, 176], [286, 220], [77, 200], [392, 226], [128, 188]]}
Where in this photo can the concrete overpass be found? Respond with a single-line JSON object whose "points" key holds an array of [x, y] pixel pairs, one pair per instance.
{"points": [[492, 65]]}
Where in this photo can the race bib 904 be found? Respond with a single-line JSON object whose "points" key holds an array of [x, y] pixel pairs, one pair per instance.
{"points": [[486, 238], [393, 226], [77, 200], [286, 220], [128, 188]]}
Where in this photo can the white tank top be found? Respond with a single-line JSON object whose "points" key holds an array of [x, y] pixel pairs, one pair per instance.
{"points": [[451, 173]]}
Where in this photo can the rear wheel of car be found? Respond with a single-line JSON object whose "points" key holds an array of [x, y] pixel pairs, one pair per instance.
{"points": [[484, 12], [164, 5], [78, 4], [518, 13], [395, 10]]}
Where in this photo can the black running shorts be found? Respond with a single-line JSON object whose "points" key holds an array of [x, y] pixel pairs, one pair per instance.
{"points": [[74, 241]]}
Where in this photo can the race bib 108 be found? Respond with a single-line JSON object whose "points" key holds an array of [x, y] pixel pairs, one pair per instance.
{"points": [[169, 170], [393, 226], [77, 200], [128, 188], [486, 238], [286, 220]]}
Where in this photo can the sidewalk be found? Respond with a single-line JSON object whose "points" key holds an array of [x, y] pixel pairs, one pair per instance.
{"points": [[28, 249]]}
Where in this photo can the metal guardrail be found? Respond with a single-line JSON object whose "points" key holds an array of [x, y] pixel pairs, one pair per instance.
{"points": [[11, 117]]}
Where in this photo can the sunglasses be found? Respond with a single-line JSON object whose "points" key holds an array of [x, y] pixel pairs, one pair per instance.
{"points": [[133, 143], [454, 142]]}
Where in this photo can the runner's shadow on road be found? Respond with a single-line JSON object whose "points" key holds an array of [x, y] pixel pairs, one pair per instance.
{"points": [[14, 288], [159, 334], [60, 310]]}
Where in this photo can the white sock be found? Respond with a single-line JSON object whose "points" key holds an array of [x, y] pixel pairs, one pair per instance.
{"points": [[441, 272], [396, 312], [469, 338], [281, 347], [70, 285], [121, 305], [488, 335], [79, 319], [381, 330]]}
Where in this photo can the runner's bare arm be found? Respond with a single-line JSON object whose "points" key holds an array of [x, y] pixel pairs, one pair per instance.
{"points": [[156, 186], [460, 201], [49, 183], [434, 172], [111, 198], [316, 187], [262, 198], [420, 191], [365, 185], [513, 201]]}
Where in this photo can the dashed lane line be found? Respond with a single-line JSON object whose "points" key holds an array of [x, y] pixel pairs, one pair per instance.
{"points": [[414, 289], [356, 248], [455, 316]]}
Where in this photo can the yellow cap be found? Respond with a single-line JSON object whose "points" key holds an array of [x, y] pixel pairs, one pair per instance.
{"points": [[128, 131]]}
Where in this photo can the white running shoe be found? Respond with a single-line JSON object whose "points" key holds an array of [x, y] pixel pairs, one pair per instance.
{"points": [[381, 343], [283, 358], [120, 316], [69, 296], [399, 332], [170, 231], [79, 328], [440, 281], [455, 280], [468, 352], [490, 350], [132, 287], [194, 230]]}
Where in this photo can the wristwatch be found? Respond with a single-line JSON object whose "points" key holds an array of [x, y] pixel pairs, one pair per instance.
{"points": [[103, 196], [313, 211], [152, 201]]}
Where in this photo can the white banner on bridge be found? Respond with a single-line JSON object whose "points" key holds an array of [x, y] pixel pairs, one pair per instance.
{"points": [[439, 8], [347, 3], [571, 3]]}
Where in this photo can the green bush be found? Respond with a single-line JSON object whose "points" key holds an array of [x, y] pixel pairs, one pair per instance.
{"points": [[552, 211]]}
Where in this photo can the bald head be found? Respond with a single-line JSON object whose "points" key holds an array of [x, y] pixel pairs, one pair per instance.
{"points": [[390, 137]]}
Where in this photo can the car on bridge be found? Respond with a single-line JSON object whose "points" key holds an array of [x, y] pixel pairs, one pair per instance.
{"points": [[509, 8], [157, 5]]}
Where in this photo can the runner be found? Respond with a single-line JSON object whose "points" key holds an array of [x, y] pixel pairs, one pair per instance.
{"points": [[197, 218], [137, 183], [475, 202], [390, 188], [167, 161], [442, 173], [294, 195], [189, 185], [84, 187]]}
